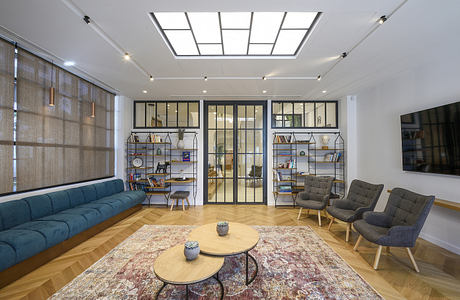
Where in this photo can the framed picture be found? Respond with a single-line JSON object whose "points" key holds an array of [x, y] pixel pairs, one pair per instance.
{"points": [[186, 156]]}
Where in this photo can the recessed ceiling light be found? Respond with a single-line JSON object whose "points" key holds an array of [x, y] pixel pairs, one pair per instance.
{"points": [[69, 63], [264, 91], [205, 78], [324, 92], [264, 78], [205, 91], [144, 91], [234, 33], [126, 56], [382, 19], [151, 78], [318, 78]]}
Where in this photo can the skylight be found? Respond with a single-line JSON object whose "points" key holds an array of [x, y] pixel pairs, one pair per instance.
{"points": [[235, 33]]}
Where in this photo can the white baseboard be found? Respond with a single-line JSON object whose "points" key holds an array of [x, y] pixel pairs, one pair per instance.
{"points": [[448, 246]]}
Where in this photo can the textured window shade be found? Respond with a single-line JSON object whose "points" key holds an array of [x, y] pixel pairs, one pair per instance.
{"points": [[6, 115], [60, 144]]}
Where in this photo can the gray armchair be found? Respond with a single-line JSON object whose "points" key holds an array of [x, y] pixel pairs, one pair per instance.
{"points": [[362, 197], [316, 194], [398, 225]]}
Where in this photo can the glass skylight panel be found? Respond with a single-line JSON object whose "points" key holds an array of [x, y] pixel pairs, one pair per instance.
{"points": [[298, 20], [288, 41], [172, 20], [260, 49], [235, 42], [205, 26], [265, 26], [182, 41], [210, 49], [235, 20], [235, 33]]}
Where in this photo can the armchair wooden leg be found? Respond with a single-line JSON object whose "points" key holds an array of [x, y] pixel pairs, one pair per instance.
{"points": [[300, 212], [308, 212], [319, 218], [412, 259], [387, 249], [330, 224], [360, 238], [172, 204], [377, 257], [347, 236], [183, 204]]}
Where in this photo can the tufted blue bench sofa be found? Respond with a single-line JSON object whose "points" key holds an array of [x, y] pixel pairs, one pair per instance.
{"points": [[34, 225]]}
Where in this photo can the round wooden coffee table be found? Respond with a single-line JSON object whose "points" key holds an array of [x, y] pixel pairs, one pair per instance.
{"points": [[240, 239], [171, 267]]}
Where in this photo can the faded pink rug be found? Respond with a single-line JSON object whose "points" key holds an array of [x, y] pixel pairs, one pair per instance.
{"points": [[294, 263]]}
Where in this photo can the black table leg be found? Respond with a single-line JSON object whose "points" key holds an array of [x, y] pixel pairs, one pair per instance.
{"points": [[221, 286], [248, 281], [186, 291], [159, 291]]}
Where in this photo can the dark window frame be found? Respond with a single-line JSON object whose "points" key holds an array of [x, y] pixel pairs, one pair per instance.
{"points": [[146, 102], [314, 102]]}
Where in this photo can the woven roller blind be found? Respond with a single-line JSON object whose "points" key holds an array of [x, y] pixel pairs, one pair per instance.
{"points": [[60, 144], [6, 115]]}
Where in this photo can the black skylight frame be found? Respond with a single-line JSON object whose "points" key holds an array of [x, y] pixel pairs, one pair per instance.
{"points": [[307, 34]]}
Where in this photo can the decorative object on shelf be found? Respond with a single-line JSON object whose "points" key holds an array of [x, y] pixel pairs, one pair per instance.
{"points": [[325, 141], [180, 142], [186, 156], [222, 228], [159, 151], [138, 162], [133, 138], [162, 168], [191, 250], [302, 153]]}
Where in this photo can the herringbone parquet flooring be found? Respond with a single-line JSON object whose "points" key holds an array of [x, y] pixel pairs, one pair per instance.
{"points": [[439, 275]]}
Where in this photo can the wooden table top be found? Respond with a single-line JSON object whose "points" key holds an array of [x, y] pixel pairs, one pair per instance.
{"points": [[172, 267], [240, 238]]}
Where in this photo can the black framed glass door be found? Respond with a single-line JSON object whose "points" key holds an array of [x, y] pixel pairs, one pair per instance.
{"points": [[235, 147]]}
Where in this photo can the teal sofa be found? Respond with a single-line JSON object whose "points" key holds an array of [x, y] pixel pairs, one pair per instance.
{"points": [[34, 224]]}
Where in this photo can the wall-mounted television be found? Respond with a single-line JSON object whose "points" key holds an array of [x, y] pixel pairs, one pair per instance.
{"points": [[431, 140]]}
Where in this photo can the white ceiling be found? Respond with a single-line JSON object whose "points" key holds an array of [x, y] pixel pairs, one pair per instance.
{"points": [[416, 32]]}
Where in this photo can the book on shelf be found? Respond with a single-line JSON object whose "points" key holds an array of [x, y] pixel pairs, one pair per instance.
{"points": [[277, 175], [154, 138], [283, 139], [332, 156]]}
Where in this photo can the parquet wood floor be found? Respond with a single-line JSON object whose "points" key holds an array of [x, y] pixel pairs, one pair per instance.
{"points": [[439, 276]]}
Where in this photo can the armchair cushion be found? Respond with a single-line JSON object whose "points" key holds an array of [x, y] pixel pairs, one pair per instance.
{"points": [[346, 215], [343, 204], [377, 218], [310, 204], [370, 232]]}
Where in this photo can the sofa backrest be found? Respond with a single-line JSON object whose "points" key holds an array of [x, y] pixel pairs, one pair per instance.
{"points": [[59, 201], [101, 190], [318, 186], [364, 194], [13, 213], [89, 193], [40, 206], [408, 208]]}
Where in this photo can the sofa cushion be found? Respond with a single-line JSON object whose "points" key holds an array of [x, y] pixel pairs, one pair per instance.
{"points": [[89, 192], [76, 197], [40, 206], [8, 256], [92, 215], [13, 213], [26, 243], [106, 210], [101, 190], [75, 223], [59, 201], [119, 186], [110, 187], [54, 232], [117, 205], [137, 196]]}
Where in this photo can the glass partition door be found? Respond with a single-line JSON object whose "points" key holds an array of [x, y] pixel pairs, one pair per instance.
{"points": [[235, 153]]}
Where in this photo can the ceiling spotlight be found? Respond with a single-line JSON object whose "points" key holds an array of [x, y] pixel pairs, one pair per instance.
{"points": [[69, 63], [382, 19], [264, 78], [126, 56], [205, 78], [205, 91], [144, 91], [151, 78], [87, 19], [264, 91], [324, 92], [344, 54], [318, 78]]}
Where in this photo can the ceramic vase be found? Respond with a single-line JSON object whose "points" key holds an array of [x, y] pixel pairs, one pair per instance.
{"points": [[191, 250], [222, 228]]}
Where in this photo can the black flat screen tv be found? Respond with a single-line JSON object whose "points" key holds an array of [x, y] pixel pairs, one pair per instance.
{"points": [[431, 140]]}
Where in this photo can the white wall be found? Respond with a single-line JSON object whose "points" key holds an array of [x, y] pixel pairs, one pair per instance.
{"points": [[379, 140]]}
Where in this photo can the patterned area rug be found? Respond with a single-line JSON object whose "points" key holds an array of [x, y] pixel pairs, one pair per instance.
{"points": [[294, 263]]}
